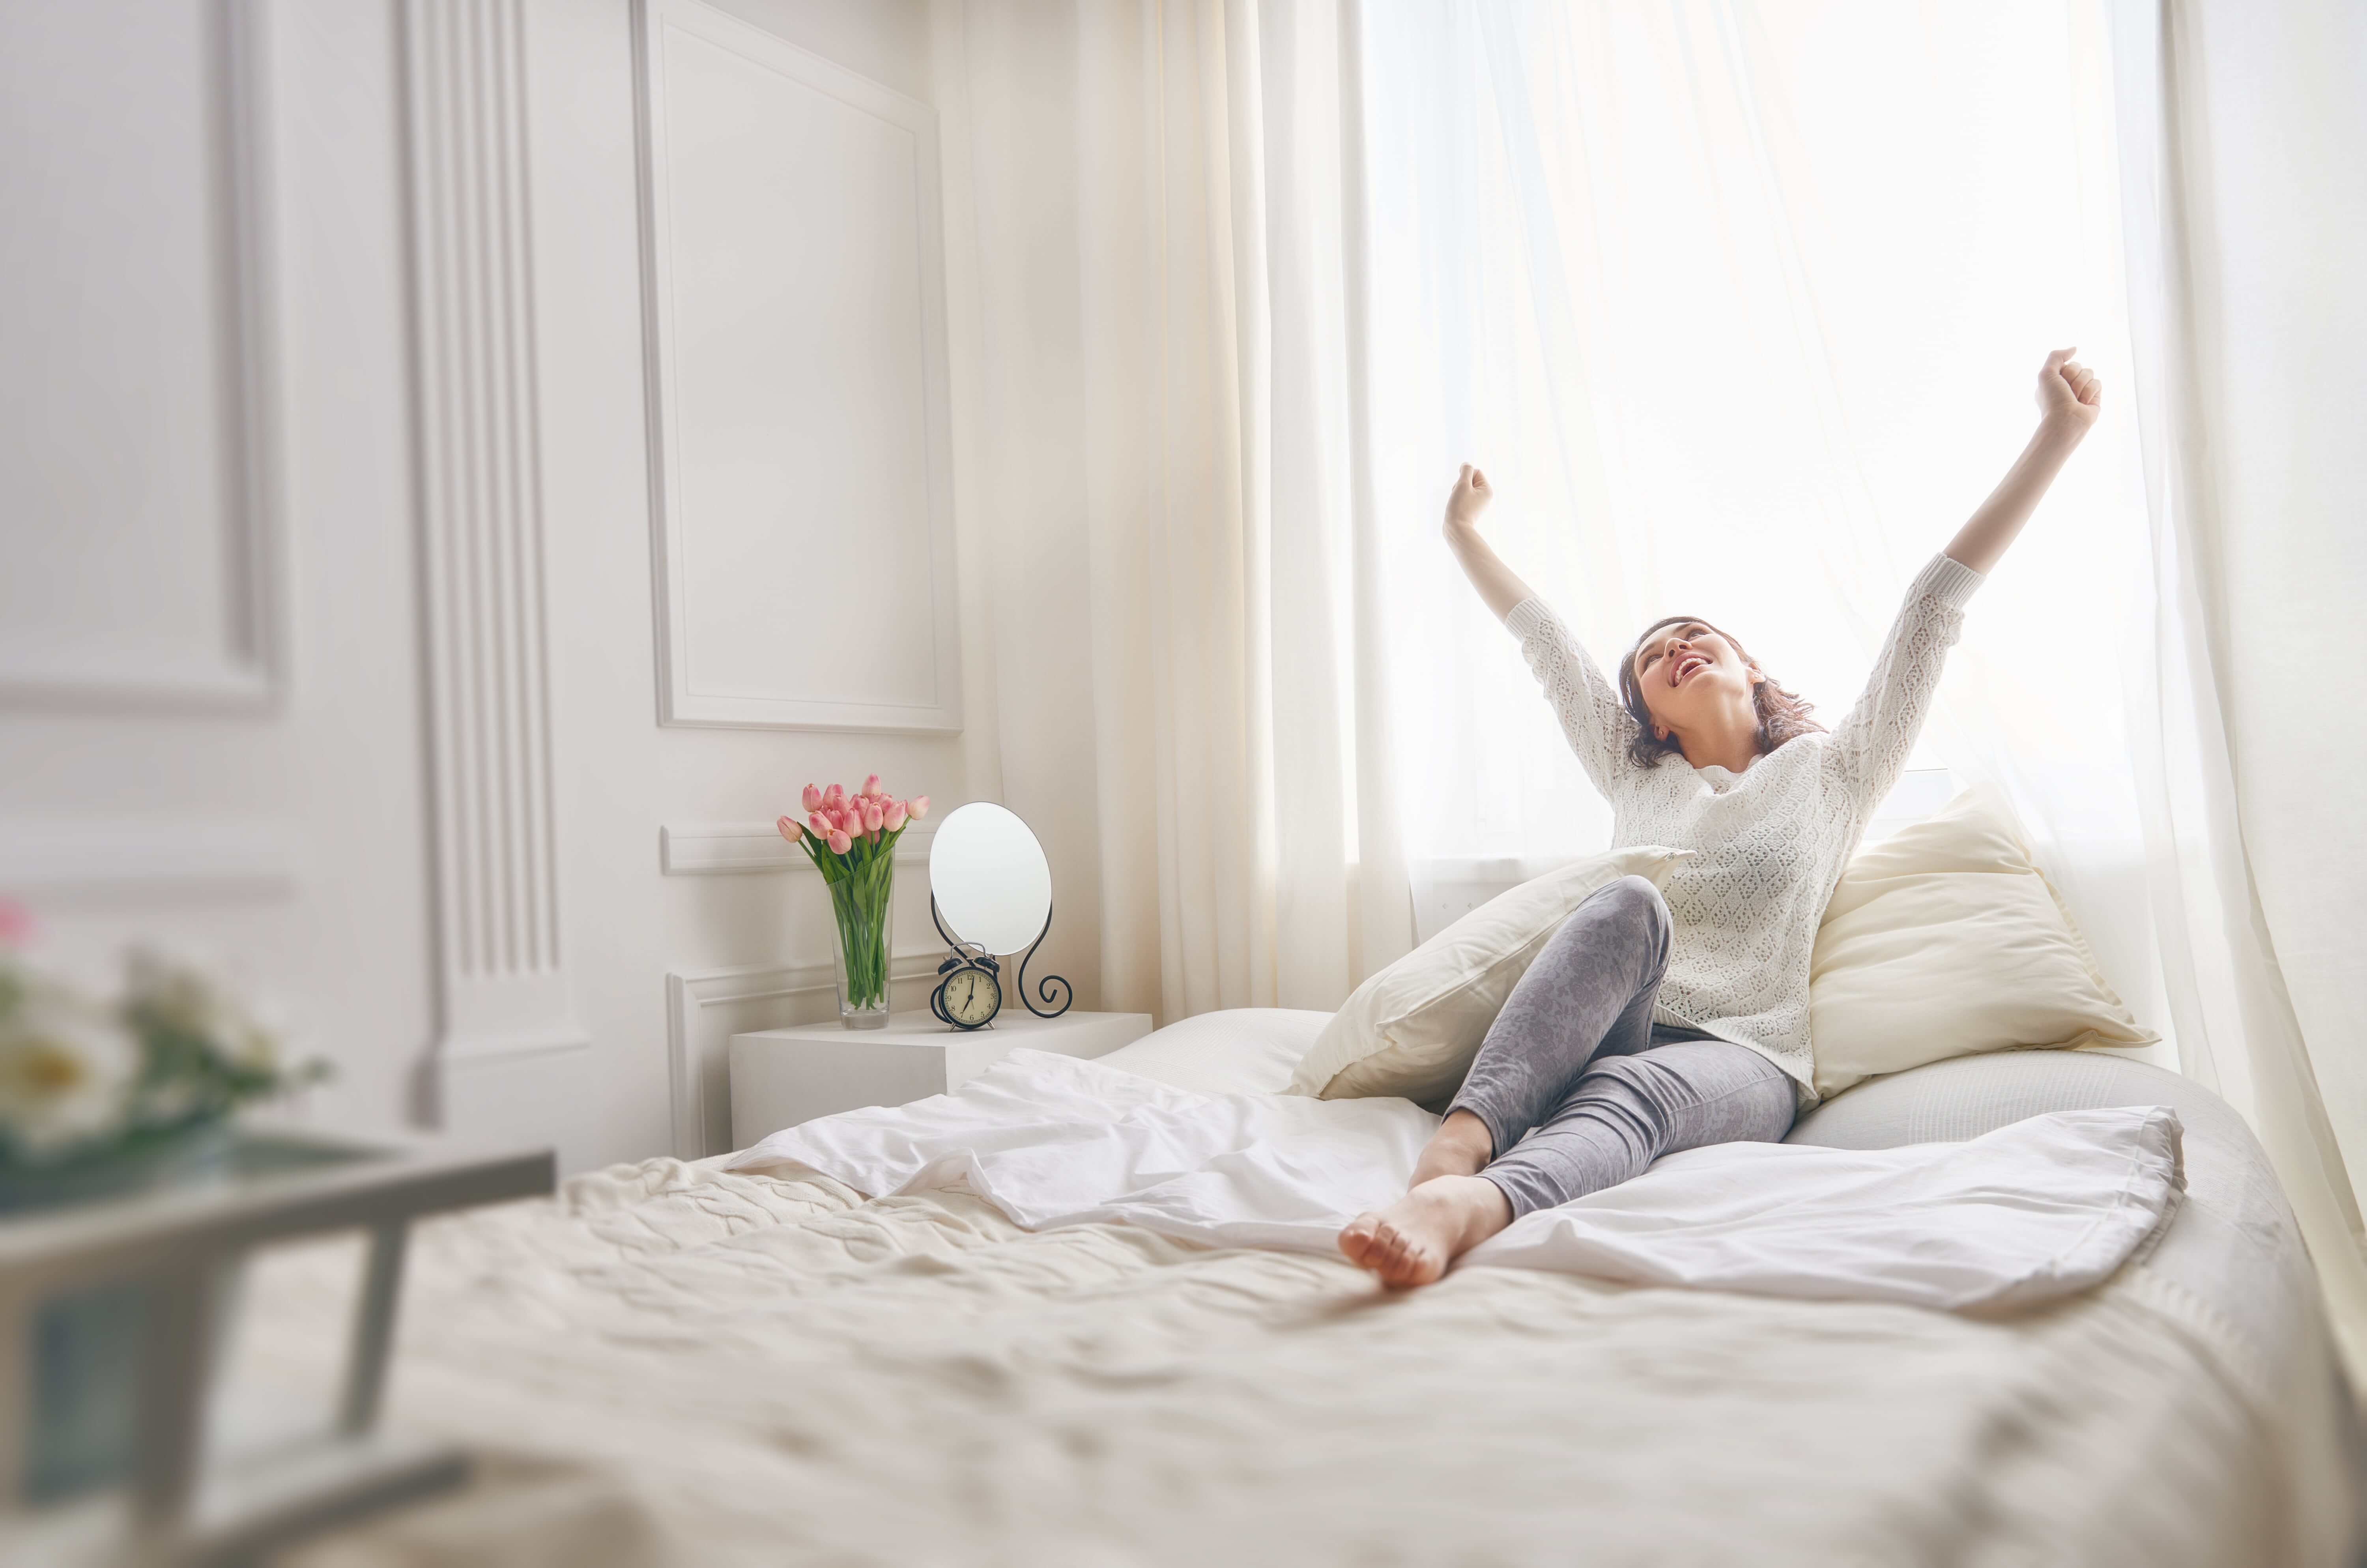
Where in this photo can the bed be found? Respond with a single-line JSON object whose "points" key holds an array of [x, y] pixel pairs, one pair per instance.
{"points": [[674, 1363]]}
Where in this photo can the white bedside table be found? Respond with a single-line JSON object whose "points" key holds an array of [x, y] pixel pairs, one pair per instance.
{"points": [[782, 1077]]}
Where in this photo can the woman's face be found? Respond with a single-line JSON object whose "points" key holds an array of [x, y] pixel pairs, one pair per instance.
{"points": [[1689, 671]]}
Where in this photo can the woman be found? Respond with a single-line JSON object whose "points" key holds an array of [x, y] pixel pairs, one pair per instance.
{"points": [[1647, 1024]]}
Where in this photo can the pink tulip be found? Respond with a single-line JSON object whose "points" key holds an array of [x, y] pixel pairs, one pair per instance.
{"points": [[833, 798], [790, 828], [15, 923], [812, 797], [818, 823], [917, 807], [839, 842], [872, 785], [893, 817], [872, 814]]}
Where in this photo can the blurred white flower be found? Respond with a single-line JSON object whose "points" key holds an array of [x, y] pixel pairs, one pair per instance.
{"points": [[64, 1067], [163, 990]]}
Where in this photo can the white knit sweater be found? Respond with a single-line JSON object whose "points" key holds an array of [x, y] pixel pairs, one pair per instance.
{"points": [[1769, 842]]}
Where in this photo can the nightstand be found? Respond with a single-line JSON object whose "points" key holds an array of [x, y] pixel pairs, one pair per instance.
{"points": [[782, 1077]]}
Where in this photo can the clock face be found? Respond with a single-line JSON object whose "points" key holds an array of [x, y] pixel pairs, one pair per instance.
{"points": [[972, 997]]}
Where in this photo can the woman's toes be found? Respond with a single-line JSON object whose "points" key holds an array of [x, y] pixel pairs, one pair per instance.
{"points": [[1410, 1263], [1360, 1241], [1387, 1243], [1400, 1257], [1412, 1241]]}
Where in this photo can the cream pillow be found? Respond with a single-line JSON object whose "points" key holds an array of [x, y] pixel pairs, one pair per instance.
{"points": [[1412, 1029], [1945, 939]]}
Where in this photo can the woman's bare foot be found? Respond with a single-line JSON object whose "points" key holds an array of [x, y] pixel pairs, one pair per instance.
{"points": [[1413, 1241], [1460, 1147]]}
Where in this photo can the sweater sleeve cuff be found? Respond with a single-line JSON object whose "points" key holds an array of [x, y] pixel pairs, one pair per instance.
{"points": [[1528, 615], [1949, 580]]}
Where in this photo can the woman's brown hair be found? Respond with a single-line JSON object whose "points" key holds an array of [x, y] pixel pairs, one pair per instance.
{"points": [[1783, 713]]}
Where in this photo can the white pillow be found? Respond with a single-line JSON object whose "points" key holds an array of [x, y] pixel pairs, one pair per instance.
{"points": [[1412, 1029], [1945, 939], [1234, 1051]]}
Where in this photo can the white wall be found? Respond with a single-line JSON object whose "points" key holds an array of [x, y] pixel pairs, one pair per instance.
{"points": [[296, 830], [283, 829]]}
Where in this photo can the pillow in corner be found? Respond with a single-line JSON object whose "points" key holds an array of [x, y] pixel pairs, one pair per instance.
{"points": [[1945, 939], [1412, 1029]]}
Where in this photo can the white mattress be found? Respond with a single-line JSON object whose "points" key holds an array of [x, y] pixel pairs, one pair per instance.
{"points": [[674, 1363]]}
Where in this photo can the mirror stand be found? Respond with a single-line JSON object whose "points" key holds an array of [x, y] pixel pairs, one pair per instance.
{"points": [[1066, 993], [987, 867]]}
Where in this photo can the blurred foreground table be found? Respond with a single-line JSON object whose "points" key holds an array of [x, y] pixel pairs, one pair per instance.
{"points": [[180, 1246]]}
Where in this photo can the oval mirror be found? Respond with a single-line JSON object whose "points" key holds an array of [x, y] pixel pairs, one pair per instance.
{"points": [[991, 882]]}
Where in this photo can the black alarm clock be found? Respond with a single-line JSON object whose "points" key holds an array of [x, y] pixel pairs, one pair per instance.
{"points": [[970, 993], [969, 983]]}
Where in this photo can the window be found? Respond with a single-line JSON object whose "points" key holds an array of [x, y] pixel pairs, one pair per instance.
{"points": [[1741, 308]]}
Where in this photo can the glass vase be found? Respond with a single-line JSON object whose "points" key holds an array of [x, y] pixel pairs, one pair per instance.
{"points": [[862, 906]]}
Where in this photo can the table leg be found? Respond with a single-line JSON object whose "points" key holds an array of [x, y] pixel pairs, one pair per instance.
{"points": [[175, 1384], [373, 1342], [16, 1394]]}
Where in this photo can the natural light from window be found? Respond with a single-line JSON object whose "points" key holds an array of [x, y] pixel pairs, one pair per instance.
{"points": [[1741, 308]]}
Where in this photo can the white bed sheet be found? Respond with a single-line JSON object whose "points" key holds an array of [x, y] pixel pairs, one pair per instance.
{"points": [[674, 1364], [2043, 1207]]}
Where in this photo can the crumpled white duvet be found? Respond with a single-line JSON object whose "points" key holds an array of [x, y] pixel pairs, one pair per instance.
{"points": [[2034, 1211]]}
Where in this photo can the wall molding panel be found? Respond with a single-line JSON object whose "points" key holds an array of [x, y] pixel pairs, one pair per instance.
{"points": [[735, 849], [705, 1008], [172, 858], [503, 984], [799, 403], [243, 670]]}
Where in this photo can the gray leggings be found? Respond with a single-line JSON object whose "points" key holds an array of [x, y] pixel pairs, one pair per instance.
{"points": [[1580, 1089]]}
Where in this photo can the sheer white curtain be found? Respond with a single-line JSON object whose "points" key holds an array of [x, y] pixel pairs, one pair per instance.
{"points": [[2239, 130], [1741, 308], [1160, 198]]}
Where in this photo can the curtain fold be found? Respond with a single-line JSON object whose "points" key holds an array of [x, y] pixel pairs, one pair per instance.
{"points": [[1244, 825]]}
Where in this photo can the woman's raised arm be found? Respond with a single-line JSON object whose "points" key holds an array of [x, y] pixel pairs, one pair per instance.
{"points": [[1497, 584], [2069, 399], [1592, 718]]}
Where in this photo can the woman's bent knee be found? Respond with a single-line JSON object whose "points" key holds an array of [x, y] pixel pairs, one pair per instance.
{"points": [[1634, 900]]}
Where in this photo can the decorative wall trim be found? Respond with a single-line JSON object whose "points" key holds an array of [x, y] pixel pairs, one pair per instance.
{"points": [[741, 701], [705, 1008], [244, 674], [154, 858], [727, 848], [502, 976]]}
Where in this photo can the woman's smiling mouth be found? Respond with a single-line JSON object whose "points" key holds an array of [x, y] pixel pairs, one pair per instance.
{"points": [[1685, 665]]}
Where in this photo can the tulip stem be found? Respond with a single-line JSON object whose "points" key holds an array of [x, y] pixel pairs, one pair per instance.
{"points": [[861, 882]]}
